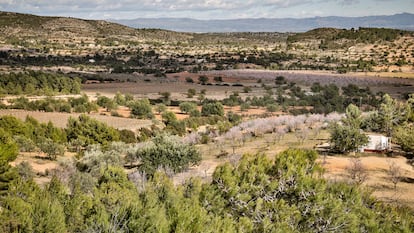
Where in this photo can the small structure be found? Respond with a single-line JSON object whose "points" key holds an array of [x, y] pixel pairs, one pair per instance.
{"points": [[377, 143]]}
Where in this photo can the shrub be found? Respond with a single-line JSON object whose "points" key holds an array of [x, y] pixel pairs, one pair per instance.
{"points": [[187, 107], [127, 136], [215, 108], [90, 131], [168, 152], [141, 109], [189, 80]]}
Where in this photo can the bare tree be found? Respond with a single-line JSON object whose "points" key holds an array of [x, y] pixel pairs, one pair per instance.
{"points": [[302, 134], [235, 136], [279, 133], [356, 170], [394, 173]]}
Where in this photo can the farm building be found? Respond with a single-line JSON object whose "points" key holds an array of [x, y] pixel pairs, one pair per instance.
{"points": [[376, 143]]}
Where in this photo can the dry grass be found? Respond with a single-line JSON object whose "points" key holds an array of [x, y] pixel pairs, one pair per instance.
{"points": [[378, 179], [61, 119]]}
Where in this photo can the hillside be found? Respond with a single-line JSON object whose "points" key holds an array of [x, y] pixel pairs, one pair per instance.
{"points": [[78, 45], [18, 28]]}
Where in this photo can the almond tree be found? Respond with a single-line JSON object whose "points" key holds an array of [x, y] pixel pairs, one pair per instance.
{"points": [[394, 173], [356, 170]]}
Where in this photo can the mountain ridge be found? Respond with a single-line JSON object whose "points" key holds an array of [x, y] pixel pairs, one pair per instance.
{"points": [[404, 21]]}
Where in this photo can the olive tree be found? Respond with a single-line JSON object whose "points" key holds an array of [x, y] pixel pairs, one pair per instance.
{"points": [[168, 152]]}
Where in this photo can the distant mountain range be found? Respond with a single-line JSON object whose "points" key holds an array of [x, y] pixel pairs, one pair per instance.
{"points": [[403, 21]]}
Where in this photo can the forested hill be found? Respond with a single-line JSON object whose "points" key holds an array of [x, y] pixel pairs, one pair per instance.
{"points": [[16, 26]]}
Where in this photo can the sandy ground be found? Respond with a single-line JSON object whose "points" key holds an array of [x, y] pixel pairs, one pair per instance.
{"points": [[61, 119], [378, 179]]}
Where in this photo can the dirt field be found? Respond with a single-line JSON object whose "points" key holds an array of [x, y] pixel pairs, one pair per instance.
{"points": [[61, 119], [378, 179], [392, 83]]}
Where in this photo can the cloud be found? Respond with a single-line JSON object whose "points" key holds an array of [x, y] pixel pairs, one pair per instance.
{"points": [[201, 9], [348, 2], [143, 5]]}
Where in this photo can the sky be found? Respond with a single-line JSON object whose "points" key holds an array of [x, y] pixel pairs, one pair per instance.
{"points": [[207, 9]]}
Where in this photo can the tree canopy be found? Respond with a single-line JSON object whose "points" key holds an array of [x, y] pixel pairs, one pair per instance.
{"points": [[256, 195], [347, 136]]}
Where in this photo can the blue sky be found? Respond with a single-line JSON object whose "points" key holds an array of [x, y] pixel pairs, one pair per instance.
{"points": [[207, 9]]}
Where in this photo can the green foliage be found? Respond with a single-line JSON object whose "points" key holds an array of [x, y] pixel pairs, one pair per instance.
{"points": [[51, 149], [247, 89], [392, 113], [127, 136], [82, 104], [168, 117], [346, 136], [280, 80], [271, 107], [195, 113], [218, 79], [362, 35], [38, 83], [234, 118], [187, 107], [141, 109], [203, 79], [106, 102], [90, 131], [346, 139], [120, 99], [404, 136], [191, 92], [189, 80], [25, 171], [285, 196], [213, 108], [165, 97], [8, 149], [95, 160], [26, 134], [160, 108], [167, 152], [7, 175], [256, 195]]}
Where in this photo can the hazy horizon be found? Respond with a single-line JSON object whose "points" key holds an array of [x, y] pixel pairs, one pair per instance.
{"points": [[210, 9]]}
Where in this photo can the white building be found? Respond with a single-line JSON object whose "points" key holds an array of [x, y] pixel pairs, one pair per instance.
{"points": [[377, 143]]}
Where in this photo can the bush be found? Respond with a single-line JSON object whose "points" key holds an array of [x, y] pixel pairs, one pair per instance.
{"points": [[127, 136], [141, 109], [167, 152], [187, 107], [90, 131], [195, 113], [271, 107], [51, 149], [189, 80], [191, 93], [215, 108]]}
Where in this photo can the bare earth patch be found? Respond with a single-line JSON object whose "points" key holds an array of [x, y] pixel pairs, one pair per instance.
{"points": [[378, 179], [61, 119]]}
